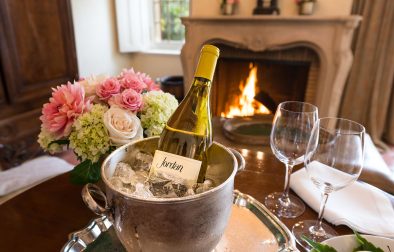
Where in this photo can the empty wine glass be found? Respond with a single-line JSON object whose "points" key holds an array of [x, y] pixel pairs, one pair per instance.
{"points": [[291, 129], [333, 160]]}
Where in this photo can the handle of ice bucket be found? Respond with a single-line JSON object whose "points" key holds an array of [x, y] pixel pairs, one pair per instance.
{"points": [[90, 195], [240, 159]]}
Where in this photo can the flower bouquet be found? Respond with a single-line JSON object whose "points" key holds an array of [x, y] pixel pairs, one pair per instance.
{"points": [[94, 116]]}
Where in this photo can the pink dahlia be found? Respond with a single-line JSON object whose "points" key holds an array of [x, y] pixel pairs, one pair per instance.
{"points": [[108, 88], [132, 80], [128, 99], [66, 104]]}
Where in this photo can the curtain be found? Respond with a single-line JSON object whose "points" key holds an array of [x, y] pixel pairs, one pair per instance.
{"points": [[369, 92]]}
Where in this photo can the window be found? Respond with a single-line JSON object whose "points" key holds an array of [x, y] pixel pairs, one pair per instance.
{"points": [[166, 19], [151, 25]]}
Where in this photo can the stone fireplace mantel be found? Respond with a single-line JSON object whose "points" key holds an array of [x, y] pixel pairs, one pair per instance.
{"points": [[329, 37]]}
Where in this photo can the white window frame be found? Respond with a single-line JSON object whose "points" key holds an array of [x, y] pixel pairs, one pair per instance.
{"points": [[135, 28]]}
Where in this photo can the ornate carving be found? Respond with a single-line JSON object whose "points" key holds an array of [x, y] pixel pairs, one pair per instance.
{"points": [[18, 138], [353, 23], [254, 43], [18, 152], [322, 34]]}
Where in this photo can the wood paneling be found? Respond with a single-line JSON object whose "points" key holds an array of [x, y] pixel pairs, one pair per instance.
{"points": [[37, 47], [2, 93], [37, 52]]}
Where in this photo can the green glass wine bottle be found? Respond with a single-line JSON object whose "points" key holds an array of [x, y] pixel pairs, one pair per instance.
{"points": [[183, 144]]}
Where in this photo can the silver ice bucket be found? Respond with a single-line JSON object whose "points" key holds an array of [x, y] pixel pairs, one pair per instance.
{"points": [[191, 223]]}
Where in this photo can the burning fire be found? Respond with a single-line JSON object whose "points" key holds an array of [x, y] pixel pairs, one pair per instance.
{"points": [[245, 104]]}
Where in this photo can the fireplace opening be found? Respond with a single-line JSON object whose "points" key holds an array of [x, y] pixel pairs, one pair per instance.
{"points": [[251, 83]]}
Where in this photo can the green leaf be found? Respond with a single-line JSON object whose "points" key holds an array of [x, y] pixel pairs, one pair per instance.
{"points": [[359, 248], [60, 142], [85, 172], [318, 247], [365, 245], [111, 149]]}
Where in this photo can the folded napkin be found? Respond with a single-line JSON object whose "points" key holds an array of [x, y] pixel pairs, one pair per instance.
{"points": [[375, 171], [31, 172], [360, 206]]}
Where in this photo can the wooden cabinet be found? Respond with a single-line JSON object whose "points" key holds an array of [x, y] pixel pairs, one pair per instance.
{"points": [[37, 52]]}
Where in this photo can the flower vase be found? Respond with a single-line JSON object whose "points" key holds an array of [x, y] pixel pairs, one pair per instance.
{"points": [[228, 9], [306, 8]]}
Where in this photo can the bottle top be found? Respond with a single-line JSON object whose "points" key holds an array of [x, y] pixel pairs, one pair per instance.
{"points": [[207, 62]]}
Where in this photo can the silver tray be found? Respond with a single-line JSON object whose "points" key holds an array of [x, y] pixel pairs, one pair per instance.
{"points": [[249, 129], [251, 228]]}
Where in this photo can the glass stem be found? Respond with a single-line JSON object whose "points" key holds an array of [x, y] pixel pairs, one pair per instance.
{"points": [[317, 229], [285, 197]]}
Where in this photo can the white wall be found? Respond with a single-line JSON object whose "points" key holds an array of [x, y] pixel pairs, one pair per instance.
{"points": [[287, 7], [97, 45], [96, 36]]}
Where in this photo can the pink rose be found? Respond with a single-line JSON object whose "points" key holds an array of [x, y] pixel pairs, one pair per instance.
{"points": [[66, 104], [150, 84], [108, 88], [128, 99], [90, 84], [133, 81]]}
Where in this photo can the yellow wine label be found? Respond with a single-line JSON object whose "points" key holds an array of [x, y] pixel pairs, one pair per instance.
{"points": [[175, 166]]}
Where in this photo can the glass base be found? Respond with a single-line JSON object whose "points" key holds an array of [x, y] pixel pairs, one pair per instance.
{"points": [[308, 228], [291, 209]]}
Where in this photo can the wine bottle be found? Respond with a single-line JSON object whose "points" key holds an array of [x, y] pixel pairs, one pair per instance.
{"points": [[183, 144]]}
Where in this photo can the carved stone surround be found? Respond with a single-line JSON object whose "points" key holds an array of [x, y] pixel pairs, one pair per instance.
{"points": [[329, 37]]}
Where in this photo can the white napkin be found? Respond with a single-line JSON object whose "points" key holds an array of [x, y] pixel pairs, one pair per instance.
{"points": [[31, 172], [360, 206], [372, 159], [375, 171]]}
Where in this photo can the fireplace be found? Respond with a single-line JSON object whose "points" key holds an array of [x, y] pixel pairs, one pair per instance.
{"points": [[269, 77], [297, 58]]}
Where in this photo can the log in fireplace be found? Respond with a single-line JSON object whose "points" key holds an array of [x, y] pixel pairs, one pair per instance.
{"points": [[279, 76]]}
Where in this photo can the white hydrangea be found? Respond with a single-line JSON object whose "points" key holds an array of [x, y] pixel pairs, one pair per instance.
{"points": [[45, 139], [157, 109], [89, 138]]}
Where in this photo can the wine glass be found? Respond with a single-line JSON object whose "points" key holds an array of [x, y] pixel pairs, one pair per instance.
{"points": [[333, 160], [292, 126]]}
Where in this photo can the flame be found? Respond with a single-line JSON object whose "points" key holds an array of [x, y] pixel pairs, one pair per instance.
{"points": [[245, 104]]}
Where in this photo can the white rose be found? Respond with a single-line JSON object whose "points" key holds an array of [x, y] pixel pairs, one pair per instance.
{"points": [[89, 84], [123, 126]]}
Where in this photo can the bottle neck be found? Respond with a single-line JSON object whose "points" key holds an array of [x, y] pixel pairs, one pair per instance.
{"points": [[201, 81], [200, 89]]}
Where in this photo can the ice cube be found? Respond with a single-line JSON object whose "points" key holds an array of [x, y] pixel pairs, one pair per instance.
{"points": [[198, 188], [167, 191], [142, 190], [124, 172], [133, 180], [142, 161], [174, 179], [179, 189], [208, 184], [116, 182], [128, 189], [157, 186], [189, 192], [203, 187], [139, 177], [162, 188]]}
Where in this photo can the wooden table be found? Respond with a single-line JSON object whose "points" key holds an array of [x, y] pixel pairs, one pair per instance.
{"points": [[41, 218]]}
